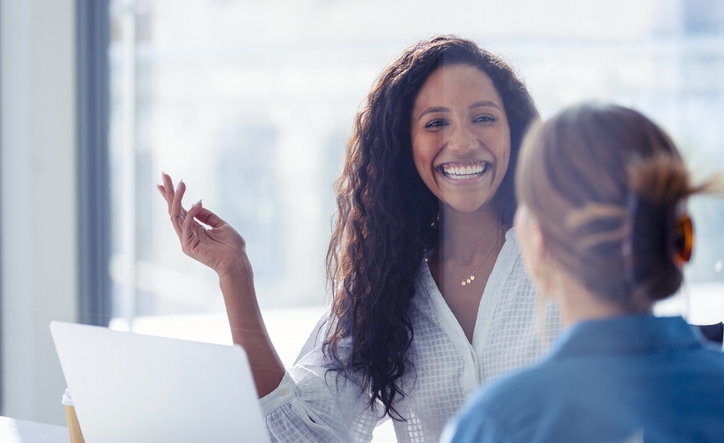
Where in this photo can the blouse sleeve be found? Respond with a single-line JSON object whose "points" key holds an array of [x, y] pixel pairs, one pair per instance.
{"points": [[314, 404]]}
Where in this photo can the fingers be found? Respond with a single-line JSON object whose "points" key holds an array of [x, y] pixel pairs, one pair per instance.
{"points": [[207, 217], [184, 222], [190, 228], [173, 201], [168, 190], [177, 212]]}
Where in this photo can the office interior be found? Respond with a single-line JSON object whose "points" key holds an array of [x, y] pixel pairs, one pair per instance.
{"points": [[97, 97]]}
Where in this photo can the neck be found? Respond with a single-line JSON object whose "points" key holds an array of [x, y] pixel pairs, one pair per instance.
{"points": [[466, 237], [577, 303]]}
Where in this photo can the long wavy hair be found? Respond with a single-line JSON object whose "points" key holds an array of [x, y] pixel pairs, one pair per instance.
{"points": [[386, 216]]}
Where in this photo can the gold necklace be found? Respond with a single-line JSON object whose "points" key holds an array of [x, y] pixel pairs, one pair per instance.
{"points": [[467, 281]]}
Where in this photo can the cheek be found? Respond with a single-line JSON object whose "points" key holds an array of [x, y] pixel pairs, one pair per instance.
{"points": [[417, 158], [421, 170], [505, 143], [504, 152], [423, 156], [504, 160]]}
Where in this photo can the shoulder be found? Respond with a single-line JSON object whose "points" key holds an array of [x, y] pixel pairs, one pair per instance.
{"points": [[707, 360], [501, 412], [511, 392], [482, 427], [518, 402]]}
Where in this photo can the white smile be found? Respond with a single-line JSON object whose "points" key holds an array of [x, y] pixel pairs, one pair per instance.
{"points": [[458, 171]]}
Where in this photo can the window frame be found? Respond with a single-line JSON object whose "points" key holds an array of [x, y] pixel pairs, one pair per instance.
{"points": [[94, 214]]}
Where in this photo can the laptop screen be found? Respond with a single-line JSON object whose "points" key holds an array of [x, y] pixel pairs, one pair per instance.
{"points": [[133, 387]]}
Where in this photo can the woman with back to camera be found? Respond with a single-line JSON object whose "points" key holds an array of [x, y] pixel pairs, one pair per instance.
{"points": [[603, 229], [429, 296]]}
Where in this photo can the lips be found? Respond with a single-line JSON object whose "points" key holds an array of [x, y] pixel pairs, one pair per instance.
{"points": [[464, 171]]}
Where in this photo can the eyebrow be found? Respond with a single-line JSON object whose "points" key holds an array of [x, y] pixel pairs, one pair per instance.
{"points": [[473, 106], [431, 110], [485, 103]]}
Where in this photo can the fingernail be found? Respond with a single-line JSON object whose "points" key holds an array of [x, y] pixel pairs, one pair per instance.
{"points": [[179, 183], [196, 204]]}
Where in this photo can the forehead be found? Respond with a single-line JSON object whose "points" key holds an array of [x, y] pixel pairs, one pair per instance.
{"points": [[457, 84]]}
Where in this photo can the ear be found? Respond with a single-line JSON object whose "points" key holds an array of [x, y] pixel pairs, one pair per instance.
{"points": [[532, 243], [541, 267], [537, 246]]}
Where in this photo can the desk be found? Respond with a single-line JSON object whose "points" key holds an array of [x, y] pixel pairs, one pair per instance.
{"points": [[21, 431]]}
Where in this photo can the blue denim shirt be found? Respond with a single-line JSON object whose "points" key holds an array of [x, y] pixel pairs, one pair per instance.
{"points": [[625, 379]]}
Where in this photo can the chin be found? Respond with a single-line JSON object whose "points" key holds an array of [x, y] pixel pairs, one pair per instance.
{"points": [[468, 206]]}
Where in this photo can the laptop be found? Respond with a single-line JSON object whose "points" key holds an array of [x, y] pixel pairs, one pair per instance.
{"points": [[129, 387]]}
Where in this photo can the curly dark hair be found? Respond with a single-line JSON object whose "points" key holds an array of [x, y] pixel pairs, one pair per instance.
{"points": [[386, 216]]}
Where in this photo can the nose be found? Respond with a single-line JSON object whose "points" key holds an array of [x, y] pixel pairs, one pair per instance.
{"points": [[462, 139]]}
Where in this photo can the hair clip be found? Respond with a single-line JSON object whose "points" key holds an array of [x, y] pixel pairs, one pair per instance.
{"points": [[684, 240]]}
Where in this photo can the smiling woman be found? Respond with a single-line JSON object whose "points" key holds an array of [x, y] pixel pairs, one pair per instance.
{"points": [[425, 194]]}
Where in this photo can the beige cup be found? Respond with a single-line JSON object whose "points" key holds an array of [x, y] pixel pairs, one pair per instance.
{"points": [[76, 436]]}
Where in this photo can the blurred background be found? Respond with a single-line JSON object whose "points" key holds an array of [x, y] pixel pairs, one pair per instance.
{"points": [[250, 102]]}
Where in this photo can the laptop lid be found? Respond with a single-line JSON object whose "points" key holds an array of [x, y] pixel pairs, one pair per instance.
{"points": [[129, 387]]}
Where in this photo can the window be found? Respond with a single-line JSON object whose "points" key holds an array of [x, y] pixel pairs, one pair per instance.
{"points": [[250, 102]]}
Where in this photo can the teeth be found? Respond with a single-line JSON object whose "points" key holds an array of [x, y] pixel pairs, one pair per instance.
{"points": [[467, 171]]}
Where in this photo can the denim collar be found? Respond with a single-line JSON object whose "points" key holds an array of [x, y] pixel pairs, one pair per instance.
{"points": [[631, 334]]}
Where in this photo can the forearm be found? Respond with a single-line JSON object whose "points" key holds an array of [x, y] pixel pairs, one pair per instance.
{"points": [[248, 328], [208, 239]]}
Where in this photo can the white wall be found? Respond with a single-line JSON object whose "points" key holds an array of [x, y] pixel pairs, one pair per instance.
{"points": [[39, 203]]}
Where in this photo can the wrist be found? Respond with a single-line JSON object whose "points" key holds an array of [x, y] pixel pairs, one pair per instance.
{"points": [[237, 269]]}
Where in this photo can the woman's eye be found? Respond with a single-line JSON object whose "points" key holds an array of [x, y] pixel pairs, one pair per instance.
{"points": [[484, 119], [436, 124]]}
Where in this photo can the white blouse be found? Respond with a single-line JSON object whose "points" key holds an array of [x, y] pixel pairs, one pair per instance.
{"points": [[313, 405]]}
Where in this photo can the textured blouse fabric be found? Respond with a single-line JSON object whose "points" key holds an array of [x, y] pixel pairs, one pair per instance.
{"points": [[313, 404]]}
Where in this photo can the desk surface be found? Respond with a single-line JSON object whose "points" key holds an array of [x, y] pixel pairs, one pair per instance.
{"points": [[21, 431]]}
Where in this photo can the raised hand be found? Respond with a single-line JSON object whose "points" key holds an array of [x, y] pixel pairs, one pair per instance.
{"points": [[207, 238], [204, 236]]}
